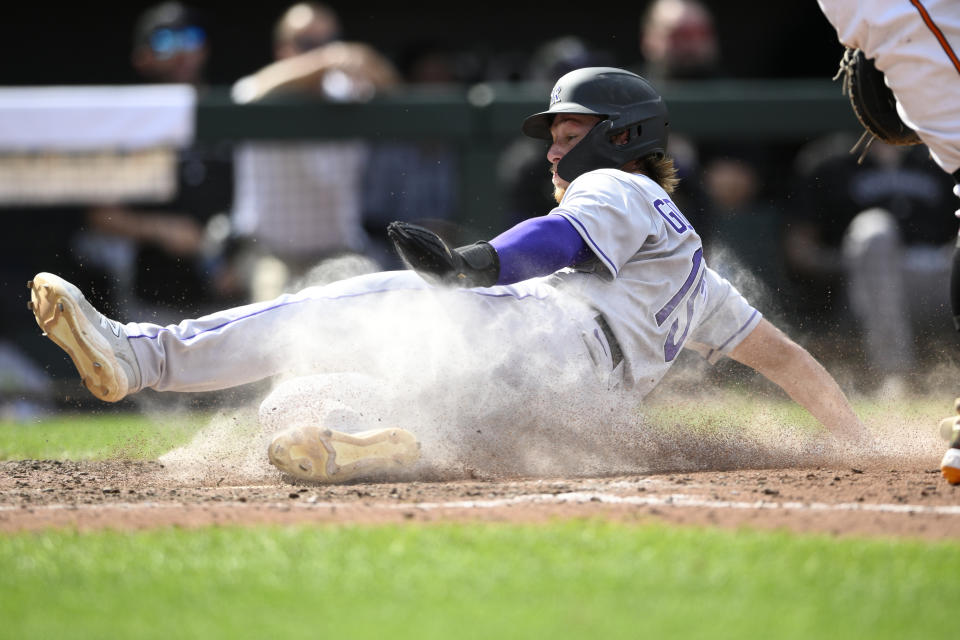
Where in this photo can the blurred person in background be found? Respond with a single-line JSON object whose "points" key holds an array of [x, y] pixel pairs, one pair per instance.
{"points": [[414, 180], [298, 203], [171, 44], [678, 41], [736, 220], [872, 242], [159, 255]]}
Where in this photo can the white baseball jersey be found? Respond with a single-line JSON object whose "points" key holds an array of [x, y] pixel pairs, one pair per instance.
{"points": [[649, 278], [916, 43]]}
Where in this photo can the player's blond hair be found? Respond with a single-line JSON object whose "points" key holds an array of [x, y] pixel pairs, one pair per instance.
{"points": [[660, 169]]}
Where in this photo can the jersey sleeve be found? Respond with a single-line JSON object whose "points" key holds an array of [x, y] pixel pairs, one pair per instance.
{"points": [[727, 320], [603, 210]]}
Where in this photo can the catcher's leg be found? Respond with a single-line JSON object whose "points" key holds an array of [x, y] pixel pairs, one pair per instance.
{"points": [[950, 427], [950, 430], [955, 286]]}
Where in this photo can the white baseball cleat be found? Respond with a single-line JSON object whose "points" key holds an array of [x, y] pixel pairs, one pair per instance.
{"points": [[323, 455], [97, 345]]}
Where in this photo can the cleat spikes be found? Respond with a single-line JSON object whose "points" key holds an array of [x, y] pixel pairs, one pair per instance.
{"points": [[102, 356], [320, 454]]}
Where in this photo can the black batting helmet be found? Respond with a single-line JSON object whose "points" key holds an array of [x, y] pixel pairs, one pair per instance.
{"points": [[623, 100]]}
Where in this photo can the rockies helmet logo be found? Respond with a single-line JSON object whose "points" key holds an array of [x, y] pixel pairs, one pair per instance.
{"points": [[555, 96]]}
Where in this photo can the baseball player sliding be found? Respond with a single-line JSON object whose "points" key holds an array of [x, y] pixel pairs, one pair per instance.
{"points": [[914, 46], [593, 300]]}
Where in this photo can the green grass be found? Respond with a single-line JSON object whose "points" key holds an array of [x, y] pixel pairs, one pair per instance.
{"points": [[97, 437], [734, 409], [138, 437], [567, 580]]}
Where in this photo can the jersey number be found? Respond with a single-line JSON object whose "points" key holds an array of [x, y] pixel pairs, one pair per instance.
{"points": [[673, 344]]}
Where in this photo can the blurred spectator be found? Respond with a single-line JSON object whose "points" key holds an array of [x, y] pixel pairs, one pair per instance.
{"points": [[311, 58], [735, 216], [678, 41], [416, 181], [171, 44], [160, 255], [298, 203], [559, 56], [870, 243]]}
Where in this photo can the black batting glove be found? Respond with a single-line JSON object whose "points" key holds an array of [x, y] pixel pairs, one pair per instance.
{"points": [[475, 265]]}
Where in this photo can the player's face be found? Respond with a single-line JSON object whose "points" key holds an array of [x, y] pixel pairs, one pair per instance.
{"points": [[566, 130]]}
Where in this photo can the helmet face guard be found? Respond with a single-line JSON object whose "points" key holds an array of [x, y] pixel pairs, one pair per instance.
{"points": [[624, 101]]}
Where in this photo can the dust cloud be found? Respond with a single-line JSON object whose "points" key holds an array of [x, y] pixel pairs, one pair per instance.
{"points": [[508, 395]]}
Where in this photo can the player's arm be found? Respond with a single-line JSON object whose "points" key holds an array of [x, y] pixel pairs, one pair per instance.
{"points": [[532, 248], [784, 362]]}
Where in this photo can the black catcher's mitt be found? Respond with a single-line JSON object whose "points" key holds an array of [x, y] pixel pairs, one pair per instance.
{"points": [[872, 101], [475, 265]]}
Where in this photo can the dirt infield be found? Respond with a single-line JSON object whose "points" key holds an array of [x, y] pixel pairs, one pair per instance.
{"points": [[911, 501], [752, 468]]}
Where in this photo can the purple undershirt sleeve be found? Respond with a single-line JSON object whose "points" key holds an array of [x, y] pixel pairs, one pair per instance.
{"points": [[538, 247]]}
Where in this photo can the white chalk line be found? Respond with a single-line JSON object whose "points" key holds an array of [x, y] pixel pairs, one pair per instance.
{"points": [[678, 500]]}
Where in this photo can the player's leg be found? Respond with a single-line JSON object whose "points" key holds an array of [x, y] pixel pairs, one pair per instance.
{"points": [[307, 330]]}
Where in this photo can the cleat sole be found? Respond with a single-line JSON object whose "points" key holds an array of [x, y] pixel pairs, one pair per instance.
{"points": [[322, 455], [64, 323]]}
